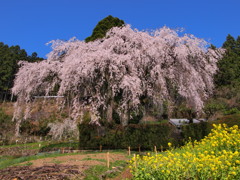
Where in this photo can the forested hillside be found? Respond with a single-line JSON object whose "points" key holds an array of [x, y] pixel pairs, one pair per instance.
{"points": [[226, 97], [9, 58]]}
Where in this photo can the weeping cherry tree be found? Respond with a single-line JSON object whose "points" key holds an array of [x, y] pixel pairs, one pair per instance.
{"points": [[117, 72]]}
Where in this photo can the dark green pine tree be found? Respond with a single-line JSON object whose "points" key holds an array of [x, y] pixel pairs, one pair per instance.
{"points": [[230, 43], [9, 58], [103, 26], [229, 65], [238, 46]]}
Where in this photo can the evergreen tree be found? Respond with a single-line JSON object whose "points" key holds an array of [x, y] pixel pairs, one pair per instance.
{"points": [[238, 45], [230, 43], [103, 26], [229, 65], [9, 58], [227, 81]]}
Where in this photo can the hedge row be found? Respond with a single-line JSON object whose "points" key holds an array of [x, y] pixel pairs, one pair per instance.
{"points": [[195, 131], [145, 136], [134, 135]]}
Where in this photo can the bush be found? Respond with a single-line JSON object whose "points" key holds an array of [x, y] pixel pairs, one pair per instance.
{"points": [[147, 136], [200, 130], [230, 120], [144, 136], [232, 111], [6, 124], [88, 136], [214, 106], [196, 131], [36, 128]]}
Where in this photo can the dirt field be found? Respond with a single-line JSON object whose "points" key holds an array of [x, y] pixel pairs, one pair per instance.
{"points": [[81, 160], [62, 167]]}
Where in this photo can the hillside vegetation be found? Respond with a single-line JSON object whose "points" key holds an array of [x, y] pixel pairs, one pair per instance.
{"points": [[226, 97], [9, 58]]}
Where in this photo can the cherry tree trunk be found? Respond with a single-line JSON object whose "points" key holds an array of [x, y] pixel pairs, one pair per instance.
{"points": [[110, 111]]}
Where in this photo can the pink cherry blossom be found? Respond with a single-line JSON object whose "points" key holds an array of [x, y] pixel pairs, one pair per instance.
{"points": [[127, 61]]}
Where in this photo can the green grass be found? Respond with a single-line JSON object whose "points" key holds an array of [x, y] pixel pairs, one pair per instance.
{"points": [[5, 158], [25, 164], [44, 145], [155, 122], [93, 159], [94, 172], [73, 145], [34, 145]]}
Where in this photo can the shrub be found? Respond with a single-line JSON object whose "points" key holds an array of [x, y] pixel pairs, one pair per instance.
{"points": [[196, 131], [230, 120], [232, 111], [144, 136], [214, 106], [6, 125]]}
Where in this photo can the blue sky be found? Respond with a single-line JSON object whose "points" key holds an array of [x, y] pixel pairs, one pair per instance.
{"points": [[32, 23]]}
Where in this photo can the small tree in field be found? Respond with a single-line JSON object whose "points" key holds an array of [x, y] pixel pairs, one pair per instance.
{"points": [[121, 73]]}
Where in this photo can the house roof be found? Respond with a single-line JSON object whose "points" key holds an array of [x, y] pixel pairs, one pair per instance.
{"points": [[180, 122]]}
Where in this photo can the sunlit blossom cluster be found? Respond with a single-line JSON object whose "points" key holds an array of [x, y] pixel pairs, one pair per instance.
{"points": [[127, 64]]}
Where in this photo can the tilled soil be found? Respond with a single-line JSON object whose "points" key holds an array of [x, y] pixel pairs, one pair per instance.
{"points": [[17, 151], [53, 172]]}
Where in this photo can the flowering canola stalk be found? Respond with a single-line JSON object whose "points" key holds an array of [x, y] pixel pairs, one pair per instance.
{"points": [[216, 156]]}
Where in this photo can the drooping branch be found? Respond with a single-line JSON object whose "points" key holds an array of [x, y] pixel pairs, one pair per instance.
{"points": [[121, 68]]}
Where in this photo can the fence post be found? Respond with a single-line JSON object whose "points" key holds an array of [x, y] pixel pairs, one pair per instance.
{"points": [[155, 149], [129, 150], [135, 161], [100, 148], [108, 160]]}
